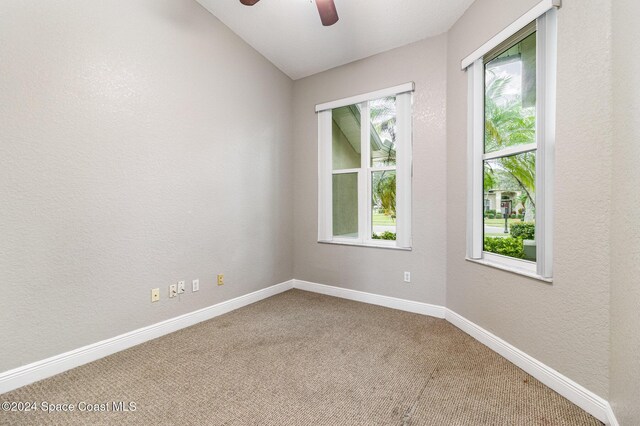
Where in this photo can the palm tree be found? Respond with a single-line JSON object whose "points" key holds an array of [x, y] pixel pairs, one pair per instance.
{"points": [[506, 124], [384, 193], [383, 120]]}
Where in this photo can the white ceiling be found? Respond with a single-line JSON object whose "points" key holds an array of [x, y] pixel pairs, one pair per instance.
{"points": [[289, 32]]}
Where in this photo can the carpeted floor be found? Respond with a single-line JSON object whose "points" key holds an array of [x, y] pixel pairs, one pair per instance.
{"points": [[301, 358]]}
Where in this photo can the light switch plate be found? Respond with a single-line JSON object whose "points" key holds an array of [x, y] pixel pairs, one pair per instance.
{"points": [[181, 285], [155, 294], [195, 285]]}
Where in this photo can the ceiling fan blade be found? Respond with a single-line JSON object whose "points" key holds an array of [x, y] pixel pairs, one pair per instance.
{"points": [[327, 11], [249, 2]]}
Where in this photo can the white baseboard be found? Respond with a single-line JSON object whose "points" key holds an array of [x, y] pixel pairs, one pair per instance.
{"points": [[39, 370], [611, 417], [374, 299], [582, 397], [585, 399]]}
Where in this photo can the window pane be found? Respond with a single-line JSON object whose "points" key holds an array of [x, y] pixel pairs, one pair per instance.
{"points": [[510, 206], [383, 205], [383, 131], [345, 205], [346, 137], [510, 97]]}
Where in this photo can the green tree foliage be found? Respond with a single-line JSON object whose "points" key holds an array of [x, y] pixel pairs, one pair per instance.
{"points": [[507, 124], [383, 120], [523, 230], [384, 193]]}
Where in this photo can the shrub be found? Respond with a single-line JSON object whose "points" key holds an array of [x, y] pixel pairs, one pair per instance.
{"points": [[386, 235], [507, 246], [524, 230], [498, 215], [491, 216], [519, 216]]}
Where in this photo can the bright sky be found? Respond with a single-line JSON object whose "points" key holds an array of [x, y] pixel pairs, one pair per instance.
{"points": [[513, 89]]}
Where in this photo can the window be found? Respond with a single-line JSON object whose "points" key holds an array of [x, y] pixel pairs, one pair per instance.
{"points": [[511, 141], [364, 185]]}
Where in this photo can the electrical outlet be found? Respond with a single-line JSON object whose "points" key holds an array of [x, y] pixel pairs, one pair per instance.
{"points": [[180, 287], [155, 294], [407, 277], [173, 290], [220, 279], [195, 285]]}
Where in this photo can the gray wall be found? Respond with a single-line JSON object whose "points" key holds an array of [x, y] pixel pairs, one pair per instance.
{"points": [[625, 231], [141, 143], [564, 324], [372, 269]]}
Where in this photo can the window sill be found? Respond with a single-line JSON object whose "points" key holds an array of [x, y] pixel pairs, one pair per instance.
{"points": [[511, 269], [370, 245]]}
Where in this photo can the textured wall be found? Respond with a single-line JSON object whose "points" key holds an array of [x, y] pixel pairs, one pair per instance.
{"points": [[625, 230], [373, 269], [141, 143], [564, 324]]}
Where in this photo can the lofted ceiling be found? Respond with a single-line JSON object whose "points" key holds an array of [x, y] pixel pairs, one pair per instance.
{"points": [[290, 35]]}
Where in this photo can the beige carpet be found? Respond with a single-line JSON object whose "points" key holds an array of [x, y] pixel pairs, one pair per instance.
{"points": [[304, 359]]}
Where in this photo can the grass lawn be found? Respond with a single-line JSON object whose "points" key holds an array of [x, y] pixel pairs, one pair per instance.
{"points": [[500, 222], [380, 219], [501, 235]]}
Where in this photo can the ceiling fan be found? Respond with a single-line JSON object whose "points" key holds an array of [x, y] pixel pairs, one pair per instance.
{"points": [[326, 9]]}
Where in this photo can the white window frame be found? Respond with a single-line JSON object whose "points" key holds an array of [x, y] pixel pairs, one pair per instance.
{"points": [[545, 16], [403, 168]]}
